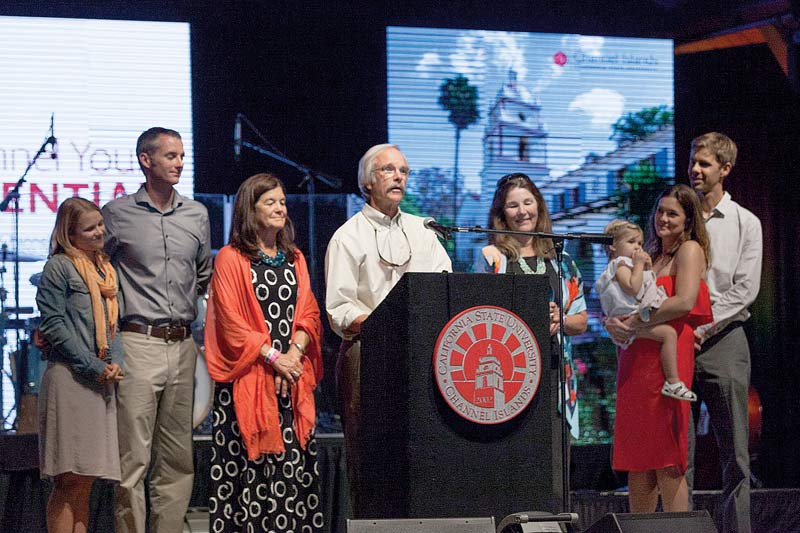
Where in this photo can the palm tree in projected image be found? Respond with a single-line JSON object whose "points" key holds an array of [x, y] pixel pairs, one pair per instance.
{"points": [[460, 98], [428, 195]]}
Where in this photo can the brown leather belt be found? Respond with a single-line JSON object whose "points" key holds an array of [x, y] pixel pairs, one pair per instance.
{"points": [[167, 332]]}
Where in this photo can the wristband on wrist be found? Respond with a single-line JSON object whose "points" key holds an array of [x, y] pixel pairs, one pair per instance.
{"points": [[272, 355]]}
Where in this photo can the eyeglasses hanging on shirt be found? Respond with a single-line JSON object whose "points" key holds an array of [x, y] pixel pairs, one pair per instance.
{"points": [[394, 248]]}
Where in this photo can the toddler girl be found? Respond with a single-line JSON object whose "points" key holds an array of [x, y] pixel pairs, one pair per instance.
{"points": [[627, 286]]}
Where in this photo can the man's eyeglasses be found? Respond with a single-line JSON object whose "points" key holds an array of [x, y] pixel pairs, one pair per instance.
{"points": [[387, 171]]}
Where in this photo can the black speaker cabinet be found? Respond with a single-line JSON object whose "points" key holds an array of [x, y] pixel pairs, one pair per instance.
{"points": [[695, 521], [422, 525]]}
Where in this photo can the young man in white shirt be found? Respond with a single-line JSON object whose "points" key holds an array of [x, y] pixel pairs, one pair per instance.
{"points": [[722, 361]]}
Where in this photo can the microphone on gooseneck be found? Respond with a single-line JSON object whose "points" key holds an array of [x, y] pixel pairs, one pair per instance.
{"points": [[52, 141], [237, 138], [443, 232]]}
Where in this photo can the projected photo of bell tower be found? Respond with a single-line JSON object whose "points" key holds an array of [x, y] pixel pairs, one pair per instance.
{"points": [[515, 139]]}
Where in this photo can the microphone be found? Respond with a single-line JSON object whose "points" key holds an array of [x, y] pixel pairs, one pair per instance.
{"points": [[52, 141], [596, 238], [237, 138], [443, 232]]}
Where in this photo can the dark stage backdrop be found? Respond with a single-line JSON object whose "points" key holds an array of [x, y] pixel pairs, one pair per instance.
{"points": [[744, 93], [312, 77]]}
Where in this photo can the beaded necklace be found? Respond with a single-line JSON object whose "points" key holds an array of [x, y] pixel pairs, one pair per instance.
{"points": [[540, 266], [276, 261]]}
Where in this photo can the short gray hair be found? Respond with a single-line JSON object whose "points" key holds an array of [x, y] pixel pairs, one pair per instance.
{"points": [[365, 175]]}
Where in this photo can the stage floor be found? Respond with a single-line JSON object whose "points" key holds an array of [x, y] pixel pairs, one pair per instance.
{"points": [[23, 495], [773, 510]]}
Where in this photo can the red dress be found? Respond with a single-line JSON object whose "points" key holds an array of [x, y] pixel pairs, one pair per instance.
{"points": [[651, 430]]}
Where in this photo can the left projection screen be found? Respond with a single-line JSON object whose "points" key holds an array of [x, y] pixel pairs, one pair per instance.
{"points": [[103, 82]]}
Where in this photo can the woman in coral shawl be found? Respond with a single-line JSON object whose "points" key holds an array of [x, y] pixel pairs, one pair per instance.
{"points": [[263, 348]]}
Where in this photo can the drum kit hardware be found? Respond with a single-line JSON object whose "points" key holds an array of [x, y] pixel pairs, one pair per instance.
{"points": [[11, 202], [26, 365], [203, 385], [26, 362]]}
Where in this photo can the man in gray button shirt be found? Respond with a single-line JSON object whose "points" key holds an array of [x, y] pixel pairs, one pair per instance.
{"points": [[159, 242]]}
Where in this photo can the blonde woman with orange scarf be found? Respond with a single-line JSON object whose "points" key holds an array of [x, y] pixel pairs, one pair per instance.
{"points": [[77, 299]]}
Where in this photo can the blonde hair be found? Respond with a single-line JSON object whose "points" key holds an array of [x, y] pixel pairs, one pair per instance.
{"points": [[67, 218], [719, 144], [618, 229]]}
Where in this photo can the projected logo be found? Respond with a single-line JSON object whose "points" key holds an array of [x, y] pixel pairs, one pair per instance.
{"points": [[487, 364]]}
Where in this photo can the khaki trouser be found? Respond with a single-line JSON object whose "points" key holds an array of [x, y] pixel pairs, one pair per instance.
{"points": [[154, 419], [348, 387]]}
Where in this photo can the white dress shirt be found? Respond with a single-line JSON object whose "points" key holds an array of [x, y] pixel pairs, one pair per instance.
{"points": [[358, 273], [735, 274]]}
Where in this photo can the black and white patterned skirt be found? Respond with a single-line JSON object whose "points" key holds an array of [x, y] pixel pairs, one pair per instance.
{"points": [[274, 493]]}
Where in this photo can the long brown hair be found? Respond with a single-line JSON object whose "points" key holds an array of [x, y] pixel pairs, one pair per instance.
{"points": [[693, 229], [244, 228], [508, 244], [67, 218]]}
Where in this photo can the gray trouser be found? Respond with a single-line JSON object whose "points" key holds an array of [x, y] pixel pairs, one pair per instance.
{"points": [[721, 380], [154, 419]]}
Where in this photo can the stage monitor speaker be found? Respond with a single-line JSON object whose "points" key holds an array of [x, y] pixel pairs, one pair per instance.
{"points": [[422, 525], [695, 521]]}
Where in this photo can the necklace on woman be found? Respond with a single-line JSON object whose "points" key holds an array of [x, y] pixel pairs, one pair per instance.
{"points": [[276, 261], [523, 264]]}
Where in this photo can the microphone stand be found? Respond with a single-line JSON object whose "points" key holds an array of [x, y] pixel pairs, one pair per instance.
{"points": [[558, 245], [309, 178], [13, 196]]}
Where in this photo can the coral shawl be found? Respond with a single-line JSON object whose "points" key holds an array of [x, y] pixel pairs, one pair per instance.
{"points": [[234, 333]]}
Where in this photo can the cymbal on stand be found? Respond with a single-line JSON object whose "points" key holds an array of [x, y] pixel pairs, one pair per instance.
{"points": [[19, 310], [25, 258], [10, 255], [35, 279]]}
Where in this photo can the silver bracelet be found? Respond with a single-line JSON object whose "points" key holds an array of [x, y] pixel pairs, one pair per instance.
{"points": [[299, 347]]}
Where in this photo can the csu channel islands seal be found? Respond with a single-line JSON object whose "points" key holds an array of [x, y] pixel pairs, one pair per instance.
{"points": [[487, 364]]}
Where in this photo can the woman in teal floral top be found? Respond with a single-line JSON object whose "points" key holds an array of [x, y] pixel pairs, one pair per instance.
{"points": [[518, 205]]}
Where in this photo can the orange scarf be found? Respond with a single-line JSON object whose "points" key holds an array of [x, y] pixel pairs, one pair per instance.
{"points": [[99, 288], [234, 333]]}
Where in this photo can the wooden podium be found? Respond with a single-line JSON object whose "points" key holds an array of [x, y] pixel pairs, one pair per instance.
{"points": [[419, 457]]}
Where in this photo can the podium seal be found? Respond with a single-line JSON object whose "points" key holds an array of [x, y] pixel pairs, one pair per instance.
{"points": [[487, 364]]}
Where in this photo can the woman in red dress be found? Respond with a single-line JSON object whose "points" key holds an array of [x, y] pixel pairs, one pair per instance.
{"points": [[651, 430]]}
